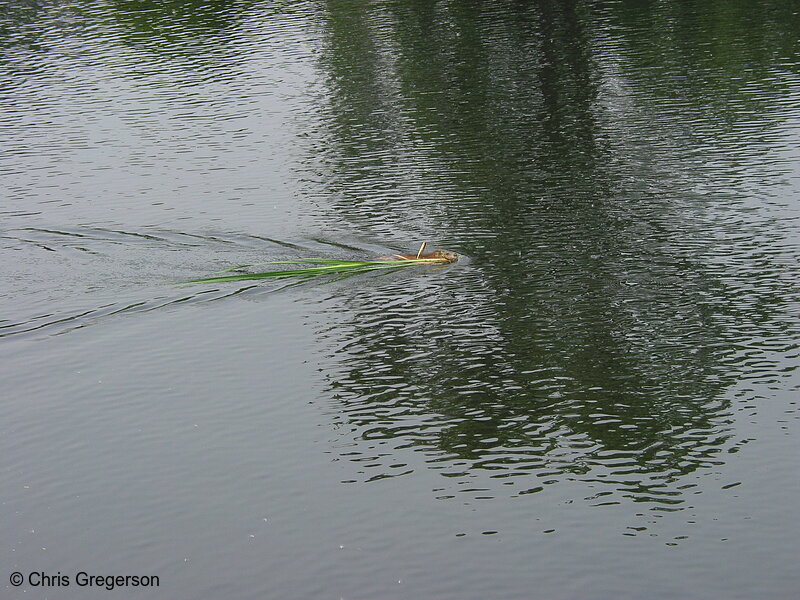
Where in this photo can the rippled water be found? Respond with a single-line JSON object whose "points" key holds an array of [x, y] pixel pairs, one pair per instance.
{"points": [[598, 400]]}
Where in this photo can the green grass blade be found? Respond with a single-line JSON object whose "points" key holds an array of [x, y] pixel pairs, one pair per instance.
{"points": [[298, 261], [326, 267]]}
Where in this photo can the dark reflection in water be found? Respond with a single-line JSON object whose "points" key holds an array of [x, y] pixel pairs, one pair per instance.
{"points": [[171, 21], [603, 168]]}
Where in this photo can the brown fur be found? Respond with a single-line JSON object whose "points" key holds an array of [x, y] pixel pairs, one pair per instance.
{"points": [[443, 256]]}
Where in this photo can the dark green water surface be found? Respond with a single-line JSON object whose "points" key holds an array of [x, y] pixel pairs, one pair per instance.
{"points": [[599, 400]]}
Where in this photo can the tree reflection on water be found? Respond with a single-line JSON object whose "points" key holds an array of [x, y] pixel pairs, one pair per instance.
{"points": [[592, 162]]}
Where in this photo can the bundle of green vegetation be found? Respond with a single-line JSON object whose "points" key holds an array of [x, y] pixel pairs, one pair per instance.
{"points": [[325, 266]]}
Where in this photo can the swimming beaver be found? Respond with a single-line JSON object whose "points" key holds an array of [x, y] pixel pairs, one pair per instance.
{"points": [[443, 256]]}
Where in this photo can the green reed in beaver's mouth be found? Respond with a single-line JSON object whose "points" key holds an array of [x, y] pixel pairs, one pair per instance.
{"points": [[324, 266]]}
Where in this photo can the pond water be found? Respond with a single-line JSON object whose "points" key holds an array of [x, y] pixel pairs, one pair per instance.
{"points": [[598, 400]]}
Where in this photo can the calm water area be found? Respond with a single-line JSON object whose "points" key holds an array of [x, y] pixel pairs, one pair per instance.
{"points": [[598, 400]]}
